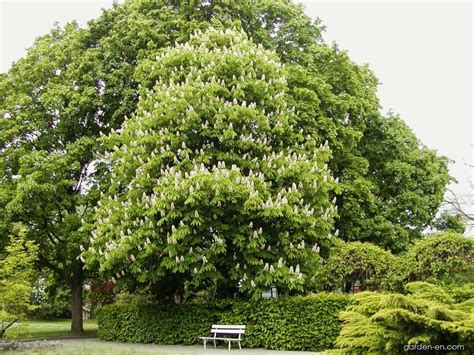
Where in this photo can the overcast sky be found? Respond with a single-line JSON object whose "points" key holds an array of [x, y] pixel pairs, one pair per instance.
{"points": [[422, 52]]}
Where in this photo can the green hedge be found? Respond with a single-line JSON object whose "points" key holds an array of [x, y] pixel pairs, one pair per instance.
{"points": [[294, 323], [156, 324]]}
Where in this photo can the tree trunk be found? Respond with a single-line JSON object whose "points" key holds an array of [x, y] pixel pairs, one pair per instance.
{"points": [[76, 299]]}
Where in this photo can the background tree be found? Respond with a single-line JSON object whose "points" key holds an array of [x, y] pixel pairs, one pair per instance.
{"points": [[447, 221], [444, 256], [51, 297], [408, 179], [459, 207], [216, 183], [16, 279], [51, 110], [352, 262], [391, 185]]}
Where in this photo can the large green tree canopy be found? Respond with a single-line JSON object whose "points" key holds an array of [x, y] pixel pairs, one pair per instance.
{"points": [[215, 179], [76, 82]]}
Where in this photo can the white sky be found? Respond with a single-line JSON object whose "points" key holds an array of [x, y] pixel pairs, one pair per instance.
{"points": [[422, 52]]}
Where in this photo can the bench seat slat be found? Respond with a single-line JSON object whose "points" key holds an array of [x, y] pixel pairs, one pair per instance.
{"points": [[228, 331], [219, 326]]}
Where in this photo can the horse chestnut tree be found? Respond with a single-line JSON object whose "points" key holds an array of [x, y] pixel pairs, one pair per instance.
{"points": [[216, 183]]}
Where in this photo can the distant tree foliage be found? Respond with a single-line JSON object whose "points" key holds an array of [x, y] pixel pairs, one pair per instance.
{"points": [[407, 182], [355, 262], [449, 221], [445, 259], [440, 256]]}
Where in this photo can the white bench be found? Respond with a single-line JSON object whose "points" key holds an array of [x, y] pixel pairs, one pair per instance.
{"points": [[225, 333]]}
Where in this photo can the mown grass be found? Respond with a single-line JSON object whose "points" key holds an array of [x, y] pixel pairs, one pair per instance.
{"points": [[67, 349], [28, 330]]}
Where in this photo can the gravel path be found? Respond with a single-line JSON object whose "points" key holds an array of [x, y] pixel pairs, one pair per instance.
{"points": [[96, 346]]}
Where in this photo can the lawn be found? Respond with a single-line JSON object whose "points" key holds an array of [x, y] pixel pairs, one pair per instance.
{"points": [[48, 329], [75, 349]]}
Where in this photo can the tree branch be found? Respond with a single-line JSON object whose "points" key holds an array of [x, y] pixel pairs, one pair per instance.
{"points": [[44, 262], [456, 205], [9, 325]]}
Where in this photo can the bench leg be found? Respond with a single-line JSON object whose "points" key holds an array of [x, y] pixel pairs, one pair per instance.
{"points": [[229, 344], [205, 343], [214, 343], [240, 346]]}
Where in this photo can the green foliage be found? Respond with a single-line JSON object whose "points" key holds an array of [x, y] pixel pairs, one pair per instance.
{"points": [[216, 179], [448, 221], [377, 323], [138, 323], [443, 256], [391, 185], [52, 311], [52, 300], [297, 323], [444, 259], [132, 299], [16, 278], [407, 184], [460, 293], [347, 263]]}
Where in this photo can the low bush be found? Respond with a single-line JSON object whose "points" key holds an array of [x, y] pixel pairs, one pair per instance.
{"points": [[378, 323], [442, 257], [293, 323]]}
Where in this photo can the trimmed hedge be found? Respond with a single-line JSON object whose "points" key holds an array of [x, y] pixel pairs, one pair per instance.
{"points": [[294, 323], [170, 324]]}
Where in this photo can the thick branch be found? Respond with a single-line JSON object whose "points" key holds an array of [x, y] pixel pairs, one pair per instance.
{"points": [[44, 262], [9, 325]]}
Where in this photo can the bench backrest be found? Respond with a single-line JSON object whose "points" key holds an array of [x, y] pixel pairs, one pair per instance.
{"points": [[228, 329]]}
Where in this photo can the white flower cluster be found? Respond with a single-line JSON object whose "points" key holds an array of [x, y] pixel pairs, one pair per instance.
{"points": [[296, 271]]}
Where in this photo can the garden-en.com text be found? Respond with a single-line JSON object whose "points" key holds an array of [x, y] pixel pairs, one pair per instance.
{"points": [[429, 347]]}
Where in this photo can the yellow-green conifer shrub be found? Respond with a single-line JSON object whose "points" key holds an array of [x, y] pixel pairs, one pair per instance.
{"points": [[390, 323]]}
